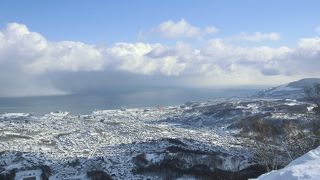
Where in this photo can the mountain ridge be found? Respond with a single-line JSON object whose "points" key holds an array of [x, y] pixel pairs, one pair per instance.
{"points": [[291, 90]]}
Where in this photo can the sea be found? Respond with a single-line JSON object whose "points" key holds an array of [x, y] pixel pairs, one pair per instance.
{"points": [[85, 103]]}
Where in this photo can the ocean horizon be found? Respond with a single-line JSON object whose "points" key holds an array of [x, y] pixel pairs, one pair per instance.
{"points": [[84, 103]]}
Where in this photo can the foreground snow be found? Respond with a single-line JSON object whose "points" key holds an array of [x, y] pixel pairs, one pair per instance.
{"points": [[304, 167]]}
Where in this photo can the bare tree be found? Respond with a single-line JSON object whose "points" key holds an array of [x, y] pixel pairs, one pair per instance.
{"points": [[297, 141], [267, 153], [265, 148], [313, 95], [275, 149]]}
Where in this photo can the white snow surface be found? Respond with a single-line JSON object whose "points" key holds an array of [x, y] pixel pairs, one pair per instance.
{"points": [[304, 167], [14, 115]]}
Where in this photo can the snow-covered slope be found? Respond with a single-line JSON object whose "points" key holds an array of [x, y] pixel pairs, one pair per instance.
{"points": [[293, 90], [304, 167], [184, 141]]}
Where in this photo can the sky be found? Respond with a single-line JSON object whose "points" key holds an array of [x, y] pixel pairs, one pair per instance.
{"points": [[64, 47]]}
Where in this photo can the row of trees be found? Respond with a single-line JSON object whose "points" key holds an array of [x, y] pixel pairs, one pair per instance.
{"points": [[279, 150], [273, 148]]}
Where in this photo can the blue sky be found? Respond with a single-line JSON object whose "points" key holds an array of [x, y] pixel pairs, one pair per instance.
{"points": [[107, 22], [68, 46]]}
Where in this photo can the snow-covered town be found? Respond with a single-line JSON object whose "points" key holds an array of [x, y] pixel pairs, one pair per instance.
{"points": [[129, 143]]}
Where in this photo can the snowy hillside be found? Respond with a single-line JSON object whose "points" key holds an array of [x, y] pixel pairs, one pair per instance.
{"points": [[293, 90], [304, 167], [199, 140]]}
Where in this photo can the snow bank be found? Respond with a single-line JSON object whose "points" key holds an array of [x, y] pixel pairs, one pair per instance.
{"points": [[304, 167], [14, 115], [59, 113]]}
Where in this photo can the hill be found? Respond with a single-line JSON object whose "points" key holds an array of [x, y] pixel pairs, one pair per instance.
{"points": [[292, 90]]}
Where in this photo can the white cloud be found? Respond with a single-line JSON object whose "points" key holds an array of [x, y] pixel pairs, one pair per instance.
{"points": [[29, 63], [33, 53], [210, 30], [257, 37], [130, 57], [312, 44], [182, 29]]}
